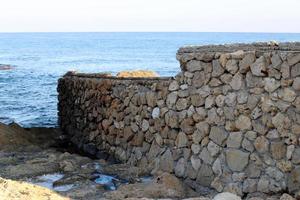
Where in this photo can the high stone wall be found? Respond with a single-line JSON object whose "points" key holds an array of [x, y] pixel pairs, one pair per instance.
{"points": [[230, 120]]}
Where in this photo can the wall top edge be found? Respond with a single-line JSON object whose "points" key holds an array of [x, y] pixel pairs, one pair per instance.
{"points": [[107, 76], [257, 46]]}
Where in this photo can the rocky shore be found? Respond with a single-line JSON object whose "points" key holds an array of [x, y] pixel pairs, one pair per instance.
{"points": [[37, 163], [40, 157]]}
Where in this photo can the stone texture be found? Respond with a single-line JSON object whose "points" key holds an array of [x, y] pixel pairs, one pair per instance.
{"points": [[237, 160], [295, 70], [195, 65], [218, 70], [243, 123], [234, 140], [180, 167], [287, 95], [246, 62], [218, 135], [166, 162], [205, 175], [278, 150], [229, 120], [259, 67], [155, 113], [236, 82], [181, 140], [232, 66], [261, 144], [226, 196], [173, 86], [198, 79], [271, 84]]}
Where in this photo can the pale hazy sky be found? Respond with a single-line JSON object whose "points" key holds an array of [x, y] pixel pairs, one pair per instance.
{"points": [[150, 15]]}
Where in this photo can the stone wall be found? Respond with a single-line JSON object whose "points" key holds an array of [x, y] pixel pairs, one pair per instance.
{"points": [[230, 120]]}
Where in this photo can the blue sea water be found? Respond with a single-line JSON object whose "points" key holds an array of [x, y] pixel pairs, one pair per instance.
{"points": [[28, 92]]}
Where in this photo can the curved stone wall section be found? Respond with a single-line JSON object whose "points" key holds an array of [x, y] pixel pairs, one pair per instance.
{"points": [[229, 120]]}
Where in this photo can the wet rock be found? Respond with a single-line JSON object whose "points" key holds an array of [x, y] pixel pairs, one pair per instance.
{"points": [[164, 186]]}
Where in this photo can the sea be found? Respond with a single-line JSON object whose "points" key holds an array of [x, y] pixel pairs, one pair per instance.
{"points": [[28, 93]]}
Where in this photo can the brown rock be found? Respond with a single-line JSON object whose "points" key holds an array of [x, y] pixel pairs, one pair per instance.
{"points": [[278, 150], [198, 79], [181, 140], [138, 139], [261, 144]]}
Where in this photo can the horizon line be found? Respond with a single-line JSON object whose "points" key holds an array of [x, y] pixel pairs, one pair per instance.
{"points": [[243, 32]]}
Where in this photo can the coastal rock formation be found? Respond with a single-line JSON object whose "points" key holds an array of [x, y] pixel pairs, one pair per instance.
{"points": [[137, 73], [6, 67], [11, 190], [228, 121]]}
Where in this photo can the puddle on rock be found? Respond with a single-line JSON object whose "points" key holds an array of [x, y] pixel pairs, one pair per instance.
{"points": [[109, 182], [47, 181], [146, 179], [112, 182]]}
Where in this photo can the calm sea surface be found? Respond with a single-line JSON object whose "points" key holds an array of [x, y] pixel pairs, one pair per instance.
{"points": [[28, 92]]}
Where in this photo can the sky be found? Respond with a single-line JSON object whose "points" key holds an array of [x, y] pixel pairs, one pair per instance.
{"points": [[150, 15]]}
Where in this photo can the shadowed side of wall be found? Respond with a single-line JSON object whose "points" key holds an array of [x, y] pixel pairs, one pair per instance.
{"points": [[229, 120]]}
